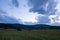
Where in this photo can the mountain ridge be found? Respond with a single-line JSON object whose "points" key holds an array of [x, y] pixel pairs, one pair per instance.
{"points": [[28, 27]]}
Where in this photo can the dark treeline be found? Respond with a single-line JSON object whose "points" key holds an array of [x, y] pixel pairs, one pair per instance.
{"points": [[28, 27]]}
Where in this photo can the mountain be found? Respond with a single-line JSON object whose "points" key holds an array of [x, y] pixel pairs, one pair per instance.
{"points": [[28, 27]]}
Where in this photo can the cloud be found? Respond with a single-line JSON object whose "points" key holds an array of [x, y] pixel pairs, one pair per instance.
{"points": [[54, 19], [43, 6], [2, 12], [15, 3], [6, 19], [44, 19], [55, 24]]}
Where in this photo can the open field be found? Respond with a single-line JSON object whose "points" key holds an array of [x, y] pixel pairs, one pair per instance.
{"points": [[30, 35]]}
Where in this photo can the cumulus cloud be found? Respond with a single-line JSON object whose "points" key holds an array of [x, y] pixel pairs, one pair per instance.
{"points": [[6, 19], [43, 6], [43, 19], [2, 12], [46, 8], [15, 3], [54, 18], [4, 6]]}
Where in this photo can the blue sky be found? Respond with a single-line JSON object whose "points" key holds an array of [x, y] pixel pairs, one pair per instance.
{"points": [[30, 11]]}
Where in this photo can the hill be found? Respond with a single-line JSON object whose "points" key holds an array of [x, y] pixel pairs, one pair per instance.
{"points": [[28, 27]]}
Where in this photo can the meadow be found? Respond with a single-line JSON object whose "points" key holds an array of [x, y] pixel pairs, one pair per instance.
{"points": [[29, 34]]}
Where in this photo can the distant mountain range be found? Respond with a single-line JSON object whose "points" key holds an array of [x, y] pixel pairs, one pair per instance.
{"points": [[28, 27]]}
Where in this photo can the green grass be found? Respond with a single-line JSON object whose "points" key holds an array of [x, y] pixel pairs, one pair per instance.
{"points": [[30, 35]]}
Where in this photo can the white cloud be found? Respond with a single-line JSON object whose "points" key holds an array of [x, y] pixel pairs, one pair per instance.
{"points": [[55, 19], [21, 12]]}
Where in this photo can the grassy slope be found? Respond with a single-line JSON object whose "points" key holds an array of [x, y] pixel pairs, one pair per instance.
{"points": [[30, 35]]}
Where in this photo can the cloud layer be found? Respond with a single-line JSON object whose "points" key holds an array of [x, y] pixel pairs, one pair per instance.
{"points": [[20, 9], [43, 6], [6, 19], [47, 8], [43, 19], [15, 3]]}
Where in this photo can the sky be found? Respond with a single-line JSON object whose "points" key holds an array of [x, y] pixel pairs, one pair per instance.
{"points": [[30, 11]]}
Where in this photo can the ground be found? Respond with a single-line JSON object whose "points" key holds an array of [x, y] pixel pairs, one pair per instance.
{"points": [[29, 34]]}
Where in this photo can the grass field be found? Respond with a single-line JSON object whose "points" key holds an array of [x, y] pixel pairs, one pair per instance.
{"points": [[30, 35]]}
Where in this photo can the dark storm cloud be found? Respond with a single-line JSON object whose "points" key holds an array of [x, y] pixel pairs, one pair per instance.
{"points": [[43, 19], [15, 3], [43, 6], [6, 19], [2, 12]]}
